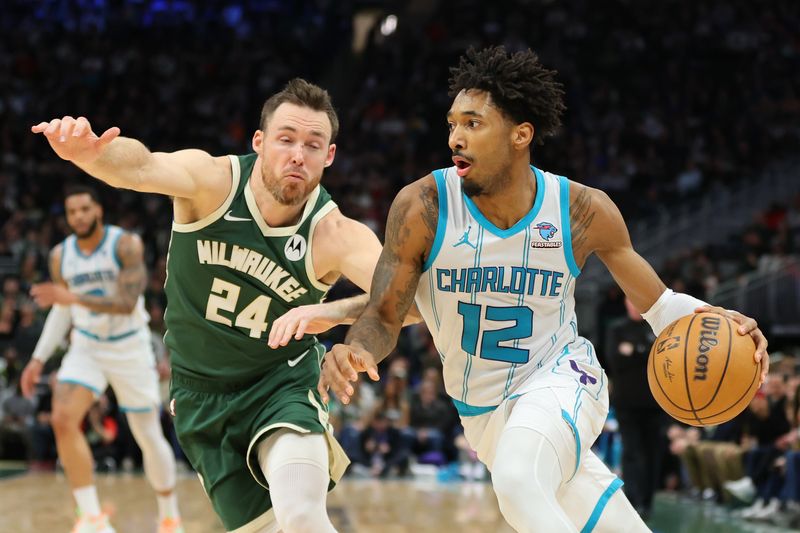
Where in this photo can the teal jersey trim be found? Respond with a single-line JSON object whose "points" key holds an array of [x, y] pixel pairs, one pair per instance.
{"points": [[472, 410], [441, 224], [523, 222], [565, 227], [135, 409], [571, 422], [113, 338], [78, 249], [82, 384], [114, 248], [601, 504]]}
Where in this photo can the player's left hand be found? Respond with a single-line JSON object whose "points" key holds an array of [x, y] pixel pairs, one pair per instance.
{"points": [[747, 326], [306, 319], [47, 294]]}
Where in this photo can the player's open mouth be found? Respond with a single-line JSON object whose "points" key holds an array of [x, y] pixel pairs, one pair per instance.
{"points": [[462, 166]]}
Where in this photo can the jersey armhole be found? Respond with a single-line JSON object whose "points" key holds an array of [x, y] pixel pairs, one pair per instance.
{"points": [[213, 217], [310, 272], [114, 243], [566, 228], [441, 224]]}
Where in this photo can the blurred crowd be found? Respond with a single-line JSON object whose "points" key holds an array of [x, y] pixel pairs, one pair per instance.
{"points": [[666, 102]]}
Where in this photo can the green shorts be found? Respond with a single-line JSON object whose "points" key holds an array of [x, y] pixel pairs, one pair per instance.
{"points": [[219, 424]]}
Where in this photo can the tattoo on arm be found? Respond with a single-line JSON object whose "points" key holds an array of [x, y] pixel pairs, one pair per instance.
{"points": [[131, 283], [394, 283], [581, 216]]}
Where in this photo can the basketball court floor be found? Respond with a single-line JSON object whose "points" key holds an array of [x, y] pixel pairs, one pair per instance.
{"points": [[41, 503]]}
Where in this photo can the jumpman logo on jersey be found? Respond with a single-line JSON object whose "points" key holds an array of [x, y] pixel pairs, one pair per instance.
{"points": [[465, 240], [585, 378]]}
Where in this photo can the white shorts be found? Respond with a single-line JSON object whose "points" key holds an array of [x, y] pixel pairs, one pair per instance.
{"points": [[128, 365], [569, 414]]}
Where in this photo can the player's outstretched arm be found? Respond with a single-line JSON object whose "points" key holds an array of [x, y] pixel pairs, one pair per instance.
{"points": [[410, 230], [131, 283], [341, 247], [597, 227], [127, 163]]}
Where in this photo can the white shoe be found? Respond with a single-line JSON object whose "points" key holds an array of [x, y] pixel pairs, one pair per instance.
{"points": [[754, 509], [741, 489], [769, 510], [93, 524]]}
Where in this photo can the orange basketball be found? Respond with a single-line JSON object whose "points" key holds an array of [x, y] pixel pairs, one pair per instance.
{"points": [[701, 371]]}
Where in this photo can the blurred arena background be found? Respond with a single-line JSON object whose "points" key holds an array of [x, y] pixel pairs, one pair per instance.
{"points": [[686, 113]]}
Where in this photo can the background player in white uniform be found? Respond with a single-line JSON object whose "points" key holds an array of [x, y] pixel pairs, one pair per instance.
{"points": [[491, 248], [98, 278]]}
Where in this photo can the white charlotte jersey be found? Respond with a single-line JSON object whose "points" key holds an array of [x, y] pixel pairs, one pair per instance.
{"points": [[500, 303], [97, 274]]}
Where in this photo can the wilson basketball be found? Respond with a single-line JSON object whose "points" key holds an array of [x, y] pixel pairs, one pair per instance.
{"points": [[701, 371]]}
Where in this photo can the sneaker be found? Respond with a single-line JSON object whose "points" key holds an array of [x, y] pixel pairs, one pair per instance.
{"points": [[741, 489], [768, 510], [170, 525], [93, 524], [753, 510]]}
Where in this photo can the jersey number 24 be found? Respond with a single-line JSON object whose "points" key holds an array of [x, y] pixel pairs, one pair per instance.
{"points": [[490, 343], [224, 297]]}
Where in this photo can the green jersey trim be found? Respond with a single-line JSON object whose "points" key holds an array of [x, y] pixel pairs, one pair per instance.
{"points": [[310, 272], [220, 211], [284, 231]]}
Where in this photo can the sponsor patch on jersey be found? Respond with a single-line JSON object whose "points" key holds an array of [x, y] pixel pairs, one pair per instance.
{"points": [[546, 231], [295, 248]]}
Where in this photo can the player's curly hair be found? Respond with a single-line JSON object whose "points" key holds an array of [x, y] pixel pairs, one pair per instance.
{"points": [[520, 86]]}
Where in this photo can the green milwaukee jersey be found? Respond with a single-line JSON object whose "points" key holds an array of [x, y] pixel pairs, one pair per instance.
{"points": [[230, 275]]}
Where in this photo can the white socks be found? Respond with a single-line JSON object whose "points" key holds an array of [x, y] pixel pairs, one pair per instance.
{"points": [[167, 506], [86, 497]]}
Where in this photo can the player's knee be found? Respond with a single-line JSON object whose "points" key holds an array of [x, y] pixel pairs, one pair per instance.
{"points": [[300, 517], [507, 481], [65, 420], [526, 501]]}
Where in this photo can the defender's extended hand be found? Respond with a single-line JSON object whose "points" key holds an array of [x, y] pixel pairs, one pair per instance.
{"points": [[306, 319], [341, 366], [73, 139], [747, 326]]}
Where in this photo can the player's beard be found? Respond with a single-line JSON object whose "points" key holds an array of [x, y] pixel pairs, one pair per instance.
{"points": [[473, 188], [291, 193], [88, 233]]}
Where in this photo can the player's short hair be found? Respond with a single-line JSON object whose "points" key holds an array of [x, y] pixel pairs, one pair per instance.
{"points": [[303, 93], [520, 86], [79, 188]]}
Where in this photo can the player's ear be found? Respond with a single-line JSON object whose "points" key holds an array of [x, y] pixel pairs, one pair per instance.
{"points": [[522, 135], [258, 141], [331, 155]]}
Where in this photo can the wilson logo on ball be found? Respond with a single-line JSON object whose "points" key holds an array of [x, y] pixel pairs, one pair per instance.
{"points": [[708, 339]]}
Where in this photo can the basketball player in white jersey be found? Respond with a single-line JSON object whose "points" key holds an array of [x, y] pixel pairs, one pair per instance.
{"points": [[491, 248], [98, 276]]}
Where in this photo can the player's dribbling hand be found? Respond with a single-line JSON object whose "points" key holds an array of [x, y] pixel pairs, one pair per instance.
{"points": [[341, 367], [747, 326], [30, 377], [73, 139]]}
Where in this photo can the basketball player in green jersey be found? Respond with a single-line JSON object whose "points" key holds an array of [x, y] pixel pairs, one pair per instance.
{"points": [[253, 237]]}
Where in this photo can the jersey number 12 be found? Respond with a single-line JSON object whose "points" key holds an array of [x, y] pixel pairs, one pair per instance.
{"points": [[490, 343]]}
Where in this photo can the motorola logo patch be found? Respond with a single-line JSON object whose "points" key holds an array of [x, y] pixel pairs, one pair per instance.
{"points": [[295, 248]]}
